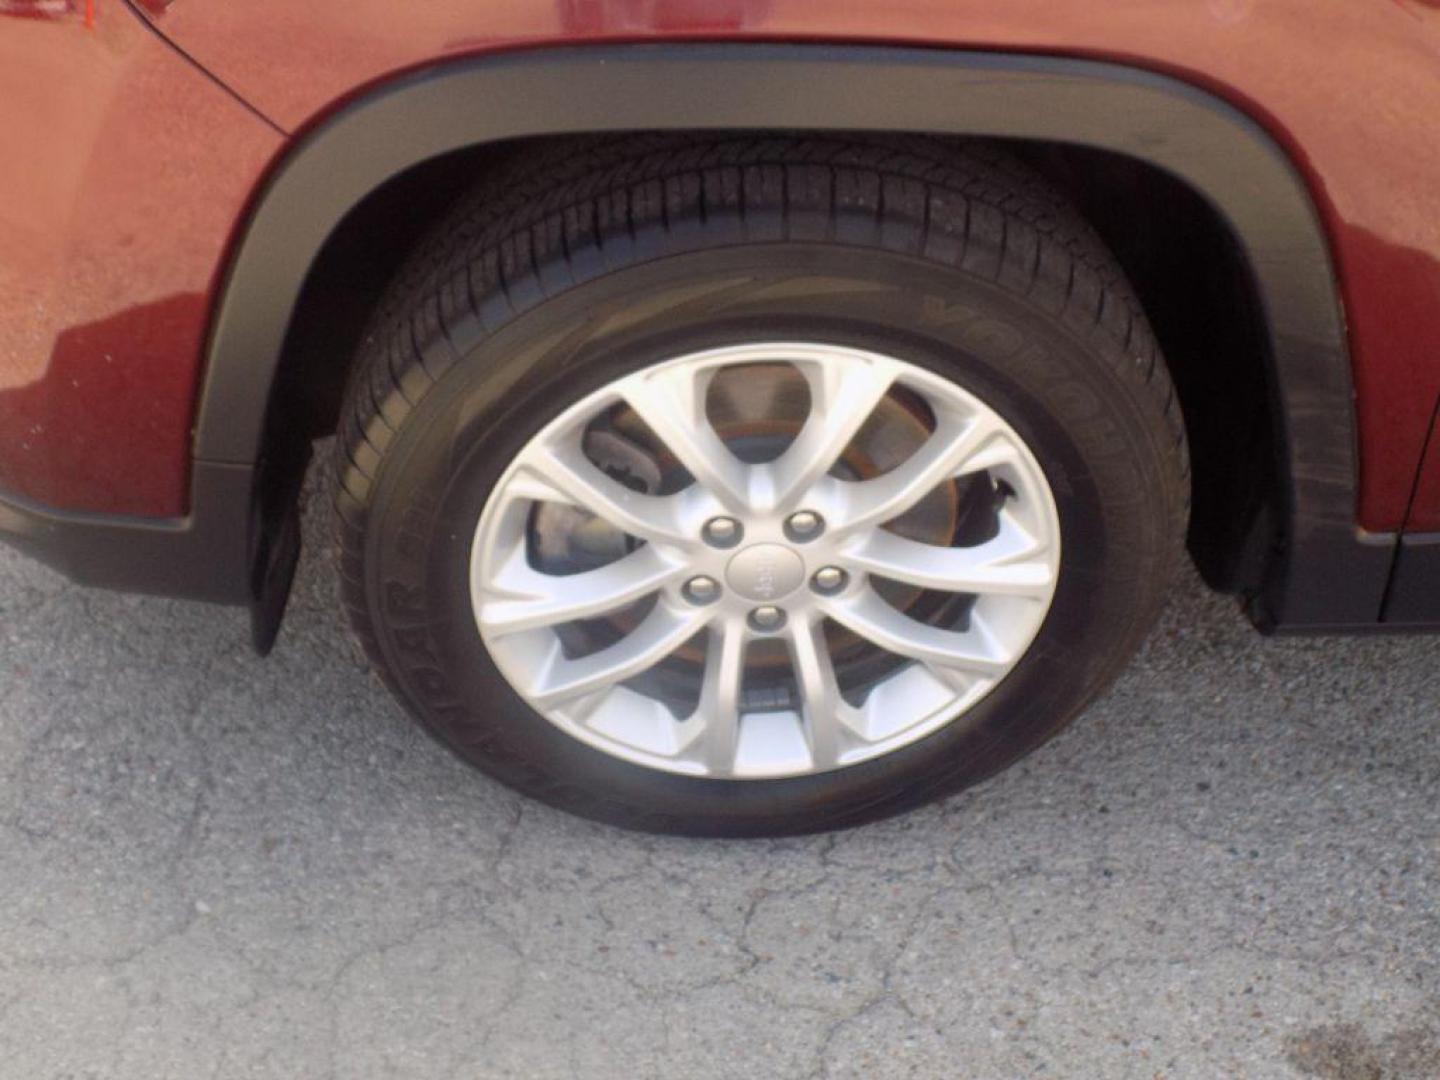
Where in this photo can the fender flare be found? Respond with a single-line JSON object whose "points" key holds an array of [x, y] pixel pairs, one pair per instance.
{"points": [[1327, 575]]}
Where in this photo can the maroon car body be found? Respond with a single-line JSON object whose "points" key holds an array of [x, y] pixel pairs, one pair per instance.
{"points": [[150, 150]]}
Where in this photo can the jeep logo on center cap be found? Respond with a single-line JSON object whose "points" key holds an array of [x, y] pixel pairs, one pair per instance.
{"points": [[765, 572]]}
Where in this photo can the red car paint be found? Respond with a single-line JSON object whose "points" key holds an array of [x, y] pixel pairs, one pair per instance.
{"points": [[145, 168], [122, 174], [1425, 515]]}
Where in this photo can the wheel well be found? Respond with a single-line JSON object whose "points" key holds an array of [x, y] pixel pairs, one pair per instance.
{"points": [[1200, 296], [1181, 257]]}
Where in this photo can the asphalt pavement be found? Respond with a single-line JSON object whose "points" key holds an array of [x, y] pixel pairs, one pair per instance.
{"points": [[217, 866]]}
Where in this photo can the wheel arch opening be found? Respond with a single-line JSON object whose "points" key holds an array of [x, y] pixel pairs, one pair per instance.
{"points": [[1183, 259]]}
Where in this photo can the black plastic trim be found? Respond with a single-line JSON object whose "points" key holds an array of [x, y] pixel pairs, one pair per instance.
{"points": [[1414, 600], [205, 556], [1212, 147]]}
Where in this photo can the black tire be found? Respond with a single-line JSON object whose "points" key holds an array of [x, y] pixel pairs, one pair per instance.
{"points": [[964, 262]]}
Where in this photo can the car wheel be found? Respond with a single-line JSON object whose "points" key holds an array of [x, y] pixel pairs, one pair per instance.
{"points": [[735, 486]]}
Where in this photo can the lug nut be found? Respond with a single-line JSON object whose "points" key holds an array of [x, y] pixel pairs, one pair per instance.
{"points": [[701, 590], [804, 525], [767, 618], [829, 580], [722, 532]]}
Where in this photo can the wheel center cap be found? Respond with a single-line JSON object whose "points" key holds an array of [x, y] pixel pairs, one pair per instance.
{"points": [[765, 572]]}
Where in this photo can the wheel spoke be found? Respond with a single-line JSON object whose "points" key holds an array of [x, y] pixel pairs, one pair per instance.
{"points": [[671, 402], [719, 708], [535, 599], [564, 474], [825, 714], [912, 677], [1011, 563], [953, 449], [873, 619], [843, 395], [660, 633]]}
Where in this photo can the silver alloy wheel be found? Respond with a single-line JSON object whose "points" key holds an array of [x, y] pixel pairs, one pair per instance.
{"points": [[818, 556]]}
